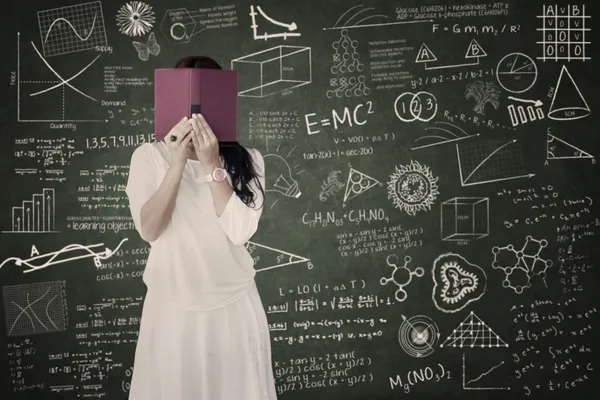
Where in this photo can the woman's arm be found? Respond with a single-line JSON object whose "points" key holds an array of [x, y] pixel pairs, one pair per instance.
{"points": [[151, 206], [238, 220], [157, 211], [221, 191]]}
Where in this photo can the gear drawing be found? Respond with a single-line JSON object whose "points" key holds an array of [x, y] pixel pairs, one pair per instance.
{"points": [[520, 266], [401, 276]]}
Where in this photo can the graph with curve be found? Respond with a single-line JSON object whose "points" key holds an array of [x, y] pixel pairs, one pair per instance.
{"points": [[70, 29]]}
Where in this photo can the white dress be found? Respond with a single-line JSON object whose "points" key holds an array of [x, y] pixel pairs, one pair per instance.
{"points": [[204, 332]]}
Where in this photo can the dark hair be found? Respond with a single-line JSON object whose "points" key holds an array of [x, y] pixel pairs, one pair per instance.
{"points": [[237, 159]]}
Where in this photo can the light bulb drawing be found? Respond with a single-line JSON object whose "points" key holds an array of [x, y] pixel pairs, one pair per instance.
{"points": [[283, 182]]}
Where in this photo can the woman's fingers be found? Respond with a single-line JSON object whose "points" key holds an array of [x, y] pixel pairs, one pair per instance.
{"points": [[194, 139], [181, 129], [184, 142], [206, 128], [186, 127], [195, 125]]}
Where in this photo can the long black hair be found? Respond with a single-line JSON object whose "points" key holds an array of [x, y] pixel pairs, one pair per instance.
{"points": [[236, 158]]}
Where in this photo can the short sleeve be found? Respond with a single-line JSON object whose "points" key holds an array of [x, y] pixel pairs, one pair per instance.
{"points": [[141, 184], [239, 221]]}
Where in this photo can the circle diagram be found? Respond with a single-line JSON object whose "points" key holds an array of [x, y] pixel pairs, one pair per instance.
{"points": [[421, 106], [516, 72], [418, 335]]}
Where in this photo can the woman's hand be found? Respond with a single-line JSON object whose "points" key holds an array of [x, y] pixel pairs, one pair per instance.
{"points": [[205, 142], [180, 149]]}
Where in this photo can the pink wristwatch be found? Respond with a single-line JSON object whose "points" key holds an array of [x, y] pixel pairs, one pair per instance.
{"points": [[218, 175]]}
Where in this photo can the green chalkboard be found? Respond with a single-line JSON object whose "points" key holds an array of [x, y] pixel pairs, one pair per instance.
{"points": [[430, 223]]}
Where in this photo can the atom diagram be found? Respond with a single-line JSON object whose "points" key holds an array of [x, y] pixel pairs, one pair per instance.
{"points": [[520, 266], [412, 188], [401, 276], [135, 18], [418, 335]]}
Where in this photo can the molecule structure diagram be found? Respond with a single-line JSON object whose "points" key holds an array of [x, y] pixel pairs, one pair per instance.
{"points": [[520, 265], [401, 276]]}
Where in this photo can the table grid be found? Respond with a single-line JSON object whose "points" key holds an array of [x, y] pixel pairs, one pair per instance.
{"points": [[566, 40]]}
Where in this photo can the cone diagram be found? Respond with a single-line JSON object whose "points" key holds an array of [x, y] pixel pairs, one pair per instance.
{"points": [[568, 102]]}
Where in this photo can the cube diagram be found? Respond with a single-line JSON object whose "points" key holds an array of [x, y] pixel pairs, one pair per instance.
{"points": [[465, 218], [273, 70]]}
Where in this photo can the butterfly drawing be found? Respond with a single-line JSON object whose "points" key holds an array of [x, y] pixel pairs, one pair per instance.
{"points": [[145, 49]]}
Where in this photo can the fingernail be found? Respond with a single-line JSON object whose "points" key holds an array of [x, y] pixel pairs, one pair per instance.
{"points": [[184, 118]]}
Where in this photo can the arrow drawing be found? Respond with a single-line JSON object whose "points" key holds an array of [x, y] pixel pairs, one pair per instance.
{"points": [[51, 257], [290, 27], [439, 138], [537, 103]]}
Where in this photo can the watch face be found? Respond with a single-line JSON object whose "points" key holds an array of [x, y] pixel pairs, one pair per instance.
{"points": [[219, 174]]}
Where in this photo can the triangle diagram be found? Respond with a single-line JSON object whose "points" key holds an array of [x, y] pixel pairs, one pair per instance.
{"points": [[270, 258], [425, 55], [473, 332], [358, 183], [475, 50], [568, 102], [558, 149]]}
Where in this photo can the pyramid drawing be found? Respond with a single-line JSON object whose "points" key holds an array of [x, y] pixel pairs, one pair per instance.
{"points": [[558, 149], [425, 55], [358, 183], [475, 50], [473, 332], [567, 102], [270, 258]]}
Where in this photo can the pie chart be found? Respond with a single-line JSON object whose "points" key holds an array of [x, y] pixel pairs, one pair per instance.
{"points": [[516, 72]]}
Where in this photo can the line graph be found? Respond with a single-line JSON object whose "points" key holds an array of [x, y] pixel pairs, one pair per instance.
{"points": [[59, 20], [34, 308], [490, 161], [443, 134], [360, 21], [48, 107], [71, 29], [265, 36], [466, 384]]}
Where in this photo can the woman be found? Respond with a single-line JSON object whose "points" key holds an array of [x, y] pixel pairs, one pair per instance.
{"points": [[203, 333]]}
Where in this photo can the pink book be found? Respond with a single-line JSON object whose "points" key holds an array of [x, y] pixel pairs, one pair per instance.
{"points": [[180, 92]]}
